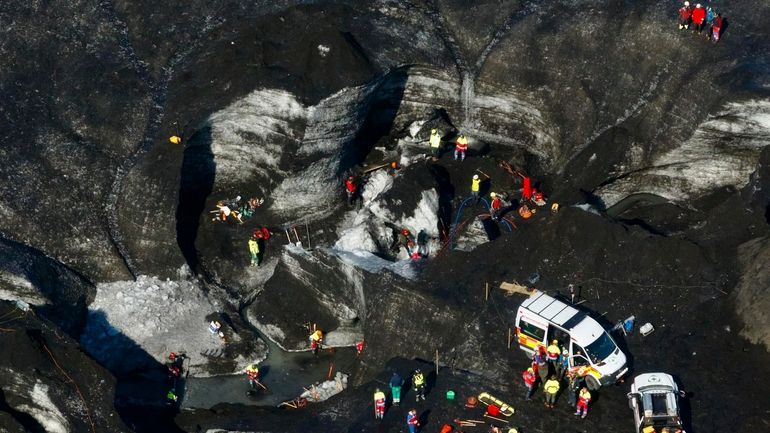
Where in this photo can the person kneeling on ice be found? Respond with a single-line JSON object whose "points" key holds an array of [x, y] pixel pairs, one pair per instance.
{"points": [[379, 404], [582, 405], [316, 338], [214, 327]]}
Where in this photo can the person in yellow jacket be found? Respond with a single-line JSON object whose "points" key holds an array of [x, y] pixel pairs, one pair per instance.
{"points": [[551, 389], [475, 186], [254, 251], [316, 338], [435, 143], [418, 383]]}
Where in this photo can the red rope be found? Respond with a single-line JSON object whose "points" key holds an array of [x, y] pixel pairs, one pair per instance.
{"points": [[77, 388]]}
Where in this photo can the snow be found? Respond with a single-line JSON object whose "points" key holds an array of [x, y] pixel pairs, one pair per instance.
{"points": [[16, 288], [150, 315], [723, 151], [323, 50], [44, 410]]}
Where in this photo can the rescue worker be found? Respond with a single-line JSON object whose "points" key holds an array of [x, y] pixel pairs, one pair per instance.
{"points": [[422, 243], [359, 347], [252, 374], [418, 383], [251, 205], [716, 28], [316, 338], [379, 404], [562, 365], [551, 389], [412, 421], [526, 188], [405, 240], [553, 352], [461, 146], [435, 143], [540, 363], [537, 197], [396, 382], [582, 405], [685, 14], [171, 397], [530, 378], [575, 383], [350, 189], [698, 18], [475, 187], [254, 251], [495, 206]]}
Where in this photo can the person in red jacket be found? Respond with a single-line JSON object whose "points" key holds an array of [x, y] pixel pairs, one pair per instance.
{"points": [[351, 188], [698, 18], [716, 28], [530, 378], [495, 206], [685, 13]]}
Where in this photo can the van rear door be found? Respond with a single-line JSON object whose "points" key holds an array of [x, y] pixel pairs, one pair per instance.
{"points": [[530, 333]]}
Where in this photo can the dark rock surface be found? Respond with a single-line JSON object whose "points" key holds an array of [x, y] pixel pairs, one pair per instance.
{"points": [[47, 383], [659, 136]]}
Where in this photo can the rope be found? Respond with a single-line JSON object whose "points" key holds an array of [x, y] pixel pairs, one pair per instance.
{"points": [[77, 388], [672, 286]]}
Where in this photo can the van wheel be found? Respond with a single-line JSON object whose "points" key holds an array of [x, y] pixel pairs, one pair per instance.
{"points": [[592, 383]]}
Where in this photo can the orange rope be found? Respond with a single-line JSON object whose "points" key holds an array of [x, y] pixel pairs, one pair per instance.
{"points": [[77, 388]]}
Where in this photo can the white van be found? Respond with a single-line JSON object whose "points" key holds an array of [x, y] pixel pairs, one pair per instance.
{"points": [[542, 319]]}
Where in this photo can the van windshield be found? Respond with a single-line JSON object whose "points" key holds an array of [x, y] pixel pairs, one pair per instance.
{"points": [[601, 348]]}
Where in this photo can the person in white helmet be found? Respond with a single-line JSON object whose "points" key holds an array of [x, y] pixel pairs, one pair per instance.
{"points": [[698, 18], [685, 15]]}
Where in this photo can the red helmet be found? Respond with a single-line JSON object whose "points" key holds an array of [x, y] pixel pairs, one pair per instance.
{"points": [[350, 177], [404, 232]]}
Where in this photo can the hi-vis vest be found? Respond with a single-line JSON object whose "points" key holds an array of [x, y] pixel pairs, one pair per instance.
{"points": [[475, 185], [419, 379], [253, 246], [435, 140]]}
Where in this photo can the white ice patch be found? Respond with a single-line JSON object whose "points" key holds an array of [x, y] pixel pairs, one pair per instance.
{"points": [[157, 316], [44, 410], [248, 135], [323, 50], [16, 288], [723, 151]]}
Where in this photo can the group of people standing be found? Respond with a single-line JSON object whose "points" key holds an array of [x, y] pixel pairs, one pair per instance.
{"points": [[396, 383], [551, 365], [699, 18]]}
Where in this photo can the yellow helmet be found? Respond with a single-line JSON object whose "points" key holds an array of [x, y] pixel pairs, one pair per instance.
{"points": [[492, 194], [175, 139], [433, 131]]}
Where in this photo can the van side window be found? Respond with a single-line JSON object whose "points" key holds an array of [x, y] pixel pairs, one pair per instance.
{"points": [[578, 355], [531, 330]]}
